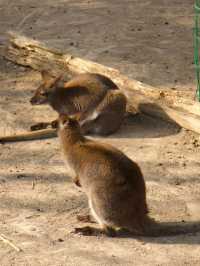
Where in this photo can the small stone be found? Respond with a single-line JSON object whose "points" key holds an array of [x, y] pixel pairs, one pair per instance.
{"points": [[162, 94], [20, 176], [177, 182]]}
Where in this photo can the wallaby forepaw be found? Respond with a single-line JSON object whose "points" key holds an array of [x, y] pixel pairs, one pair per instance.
{"points": [[38, 126], [54, 124]]}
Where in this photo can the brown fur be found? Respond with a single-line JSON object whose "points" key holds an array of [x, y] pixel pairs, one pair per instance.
{"points": [[113, 183]]}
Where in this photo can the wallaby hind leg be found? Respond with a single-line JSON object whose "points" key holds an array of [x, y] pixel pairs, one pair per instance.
{"points": [[111, 114], [105, 227], [107, 123], [104, 125]]}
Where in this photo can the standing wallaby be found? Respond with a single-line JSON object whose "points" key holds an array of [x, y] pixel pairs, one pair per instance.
{"points": [[113, 183], [94, 99]]}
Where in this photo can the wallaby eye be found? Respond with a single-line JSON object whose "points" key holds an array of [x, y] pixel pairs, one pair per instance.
{"points": [[44, 93]]}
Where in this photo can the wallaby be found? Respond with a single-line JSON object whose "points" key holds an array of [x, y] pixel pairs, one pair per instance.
{"points": [[113, 183], [94, 99]]}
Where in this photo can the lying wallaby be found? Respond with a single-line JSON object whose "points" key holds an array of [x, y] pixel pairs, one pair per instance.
{"points": [[113, 183], [95, 100]]}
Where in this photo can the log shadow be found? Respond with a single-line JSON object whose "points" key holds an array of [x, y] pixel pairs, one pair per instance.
{"points": [[51, 178], [145, 125], [60, 205]]}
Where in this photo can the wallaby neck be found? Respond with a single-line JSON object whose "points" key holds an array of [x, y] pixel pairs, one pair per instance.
{"points": [[70, 138]]}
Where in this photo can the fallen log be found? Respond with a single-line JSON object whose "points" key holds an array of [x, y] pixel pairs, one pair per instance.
{"points": [[165, 104]]}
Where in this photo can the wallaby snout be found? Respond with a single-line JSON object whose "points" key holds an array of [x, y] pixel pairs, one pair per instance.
{"points": [[38, 99], [33, 101]]}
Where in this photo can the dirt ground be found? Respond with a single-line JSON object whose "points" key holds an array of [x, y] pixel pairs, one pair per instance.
{"points": [[148, 40]]}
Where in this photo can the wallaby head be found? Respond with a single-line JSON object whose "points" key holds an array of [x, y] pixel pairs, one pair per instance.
{"points": [[69, 128], [46, 90], [68, 123]]}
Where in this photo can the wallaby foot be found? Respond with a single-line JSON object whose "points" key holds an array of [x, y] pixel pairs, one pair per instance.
{"points": [[109, 116], [91, 231], [85, 218], [109, 231], [86, 231]]}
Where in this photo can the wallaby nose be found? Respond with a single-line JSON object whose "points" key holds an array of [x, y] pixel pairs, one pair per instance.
{"points": [[32, 101]]}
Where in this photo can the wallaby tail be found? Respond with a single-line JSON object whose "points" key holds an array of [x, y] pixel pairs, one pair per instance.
{"points": [[32, 135], [159, 229]]}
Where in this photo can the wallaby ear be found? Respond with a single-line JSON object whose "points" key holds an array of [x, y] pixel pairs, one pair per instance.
{"points": [[46, 76]]}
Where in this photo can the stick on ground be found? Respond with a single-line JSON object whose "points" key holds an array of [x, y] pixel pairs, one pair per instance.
{"points": [[8, 242]]}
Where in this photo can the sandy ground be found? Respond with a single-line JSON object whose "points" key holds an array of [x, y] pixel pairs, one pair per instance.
{"points": [[147, 40]]}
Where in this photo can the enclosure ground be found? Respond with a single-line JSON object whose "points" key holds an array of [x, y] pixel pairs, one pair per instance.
{"points": [[148, 40]]}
